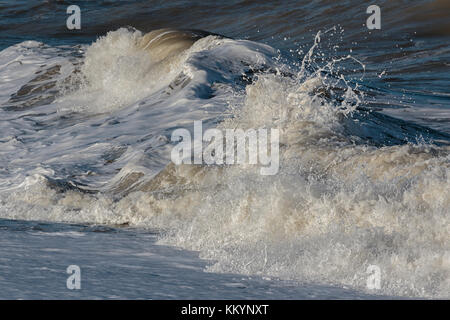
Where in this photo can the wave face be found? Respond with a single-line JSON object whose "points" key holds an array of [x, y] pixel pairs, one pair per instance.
{"points": [[86, 138]]}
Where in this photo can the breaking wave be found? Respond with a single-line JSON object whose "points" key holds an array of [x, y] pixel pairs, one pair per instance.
{"points": [[351, 190]]}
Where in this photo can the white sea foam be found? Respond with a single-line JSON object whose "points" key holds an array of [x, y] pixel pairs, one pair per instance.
{"points": [[336, 206]]}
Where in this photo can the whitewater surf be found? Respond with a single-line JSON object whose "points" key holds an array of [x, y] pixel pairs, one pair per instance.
{"points": [[86, 143]]}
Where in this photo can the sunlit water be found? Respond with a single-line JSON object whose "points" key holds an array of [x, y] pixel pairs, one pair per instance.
{"points": [[86, 119]]}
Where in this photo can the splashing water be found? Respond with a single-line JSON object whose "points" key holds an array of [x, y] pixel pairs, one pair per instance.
{"points": [[338, 204]]}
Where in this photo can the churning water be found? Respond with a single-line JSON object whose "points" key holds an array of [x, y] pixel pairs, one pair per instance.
{"points": [[86, 119]]}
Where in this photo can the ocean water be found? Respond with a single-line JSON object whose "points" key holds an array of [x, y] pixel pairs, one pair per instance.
{"points": [[86, 178]]}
